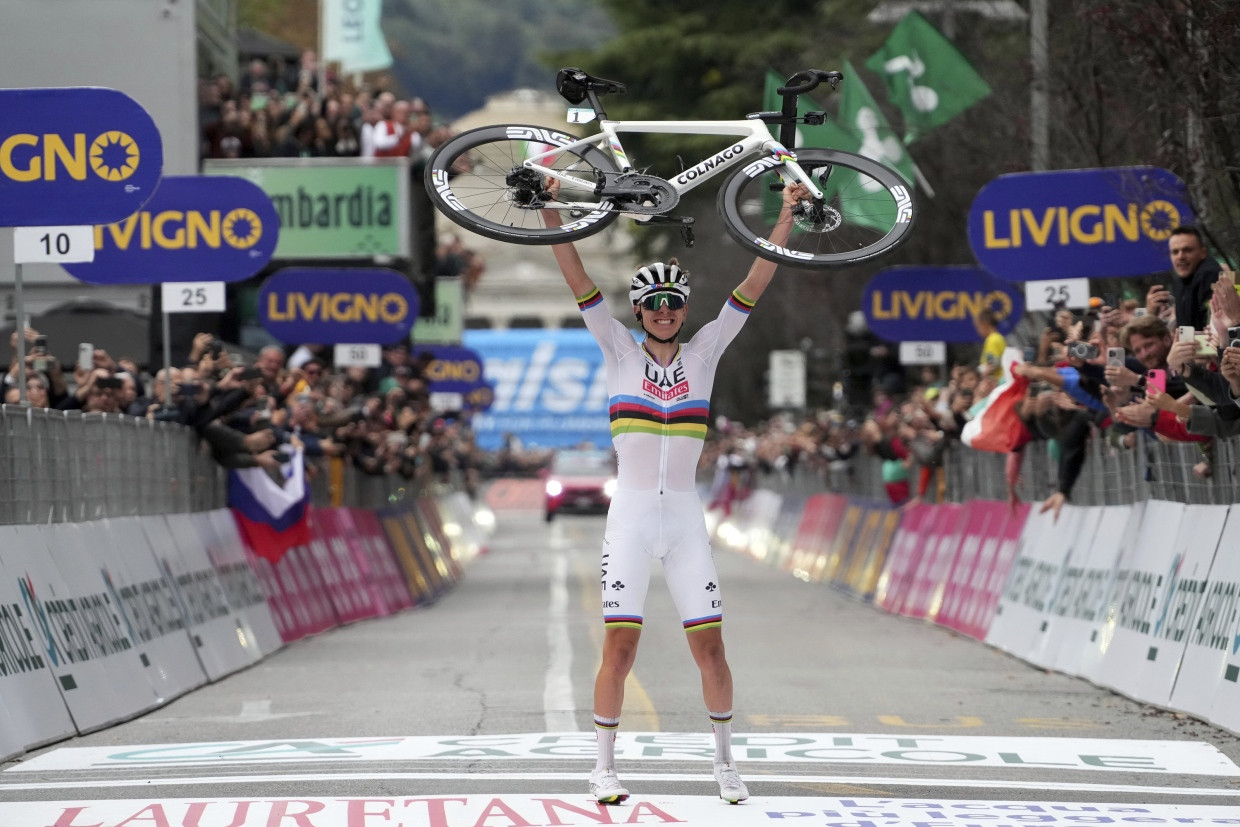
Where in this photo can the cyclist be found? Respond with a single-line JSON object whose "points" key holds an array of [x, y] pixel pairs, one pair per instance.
{"points": [[659, 392]]}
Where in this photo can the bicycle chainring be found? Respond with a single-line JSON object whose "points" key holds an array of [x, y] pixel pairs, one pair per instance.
{"points": [[635, 192]]}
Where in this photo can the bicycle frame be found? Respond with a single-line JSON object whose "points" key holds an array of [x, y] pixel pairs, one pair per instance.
{"points": [[753, 134]]}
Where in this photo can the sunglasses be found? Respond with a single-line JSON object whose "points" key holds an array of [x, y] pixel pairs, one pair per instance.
{"points": [[672, 301]]}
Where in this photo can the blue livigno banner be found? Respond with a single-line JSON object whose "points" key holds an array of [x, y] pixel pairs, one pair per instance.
{"points": [[550, 388], [1083, 223], [74, 156], [459, 370], [913, 304], [196, 228], [330, 306]]}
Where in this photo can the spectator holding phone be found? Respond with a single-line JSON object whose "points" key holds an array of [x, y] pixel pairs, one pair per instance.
{"points": [[1193, 285]]}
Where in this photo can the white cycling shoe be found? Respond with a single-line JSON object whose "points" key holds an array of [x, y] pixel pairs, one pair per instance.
{"points": [[731, 788], [605, 786]]}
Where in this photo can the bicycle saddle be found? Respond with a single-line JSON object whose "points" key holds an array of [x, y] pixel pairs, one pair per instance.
{"points": [[573, 84]]}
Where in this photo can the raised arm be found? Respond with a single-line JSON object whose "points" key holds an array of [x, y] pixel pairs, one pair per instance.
{"points": [[761, 271], [566, 254]]}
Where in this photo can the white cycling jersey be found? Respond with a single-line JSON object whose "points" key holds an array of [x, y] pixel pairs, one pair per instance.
{"points": [[659, 415]]}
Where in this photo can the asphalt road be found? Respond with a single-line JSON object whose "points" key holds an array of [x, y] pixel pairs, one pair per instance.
{"points": [[477, 711]]}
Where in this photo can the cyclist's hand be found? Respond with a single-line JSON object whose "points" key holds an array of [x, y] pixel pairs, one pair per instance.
{"points": [[794, 193]]}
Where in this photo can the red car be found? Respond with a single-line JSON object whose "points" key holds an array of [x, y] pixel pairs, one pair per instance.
{"points": [[581, 480]]}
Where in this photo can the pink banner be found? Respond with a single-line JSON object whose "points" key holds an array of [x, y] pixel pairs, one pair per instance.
{"points": [[364, 529], [981, 519], [342, 578], [900, 567], [941, 541]]}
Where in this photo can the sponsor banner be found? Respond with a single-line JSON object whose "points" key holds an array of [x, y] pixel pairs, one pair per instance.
{"points": [[937, 304], [304, 583], [895, 583], [427, 514], [219, 635], [246, 593], [343, 208], [342, 578], [784, 531], [942, 540], [550, 388], [905, 749], [992, 570], [1048, 638], [1082, 223], [196, 228], [338, 306], [961, 590], [1223, 629], [1139, 661], [96, 663], [813, 524], [33, 712], [461, 525], [868, 552], [363, 527], [457, 372], [1082, 625], [151, 605], [412, 554], [74, 156], [329, 525], [749, 528], [1210, 602], [837, 544], [1020, 621], [575, 811]]}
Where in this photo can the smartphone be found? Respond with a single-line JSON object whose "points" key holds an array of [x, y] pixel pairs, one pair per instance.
{"points": [[1140, 311], [1115, 356], [86, 356], [1157, 378], [1233, 337], [1203, 345], [250, 373], [39, 346], [1187, 333]]}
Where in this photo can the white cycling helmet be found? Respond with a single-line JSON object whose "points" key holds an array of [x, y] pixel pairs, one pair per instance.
{"points": [[659, 278]]}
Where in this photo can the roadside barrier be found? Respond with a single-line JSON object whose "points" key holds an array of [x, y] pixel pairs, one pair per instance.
{"points": [[1143, 599], [102, 621]]}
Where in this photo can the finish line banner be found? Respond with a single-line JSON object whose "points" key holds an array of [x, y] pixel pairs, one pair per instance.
{"points": [[1178, 757], [578, 811]]}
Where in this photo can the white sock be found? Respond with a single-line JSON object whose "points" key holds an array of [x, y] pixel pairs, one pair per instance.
{"points": [[605, 739], [721, 724]]}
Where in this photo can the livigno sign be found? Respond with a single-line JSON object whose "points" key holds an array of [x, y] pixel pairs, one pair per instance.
{"points": [[338, 208]]}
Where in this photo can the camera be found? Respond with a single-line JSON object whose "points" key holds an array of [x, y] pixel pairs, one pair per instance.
{"points": [[1233, 337], [1083, 350], [250, 373], [106, 382], [215, 348], [189, 388], [282, 456], [163, 414]]}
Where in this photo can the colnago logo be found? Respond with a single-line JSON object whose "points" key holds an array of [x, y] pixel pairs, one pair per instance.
{"points": [[239, 228], [904, 205], [440, 177], [756, 168], [718, 161], [783, 251], [665, 393], [111, 156], [531, 133]]}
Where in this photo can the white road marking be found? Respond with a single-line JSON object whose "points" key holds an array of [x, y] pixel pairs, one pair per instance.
{"points": [[751, 778], [558, 705]]}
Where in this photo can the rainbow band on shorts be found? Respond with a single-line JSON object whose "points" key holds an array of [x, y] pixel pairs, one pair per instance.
{"points": [[623, 622], [699, 623]]}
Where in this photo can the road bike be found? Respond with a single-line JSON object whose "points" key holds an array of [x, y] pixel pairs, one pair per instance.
{"points": [[494, 180]]}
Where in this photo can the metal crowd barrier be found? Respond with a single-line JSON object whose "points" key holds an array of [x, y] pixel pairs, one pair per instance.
{"points": [[1111, 475], [67, 466]]}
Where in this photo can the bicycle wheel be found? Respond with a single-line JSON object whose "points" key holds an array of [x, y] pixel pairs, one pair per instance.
{"points": [[477, 180], [867, 210]]}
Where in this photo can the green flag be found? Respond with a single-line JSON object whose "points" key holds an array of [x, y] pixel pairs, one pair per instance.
{"points": [[860, 116], [927, 78]]}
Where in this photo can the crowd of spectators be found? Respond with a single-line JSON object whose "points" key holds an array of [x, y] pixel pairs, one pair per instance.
{"points": [[380, 420], [1170, 369]]}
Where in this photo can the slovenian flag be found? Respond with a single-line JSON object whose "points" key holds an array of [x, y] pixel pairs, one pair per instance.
{"points": [[271, 517]]}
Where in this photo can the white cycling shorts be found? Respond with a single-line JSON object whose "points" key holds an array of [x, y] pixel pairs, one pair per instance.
{"points": [[643, 526]]}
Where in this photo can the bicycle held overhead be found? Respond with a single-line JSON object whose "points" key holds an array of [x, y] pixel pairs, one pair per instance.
{"points": [[494, 181]]}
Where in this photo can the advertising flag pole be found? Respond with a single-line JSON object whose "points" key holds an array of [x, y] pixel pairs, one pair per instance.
{"points": [[20, 327]]}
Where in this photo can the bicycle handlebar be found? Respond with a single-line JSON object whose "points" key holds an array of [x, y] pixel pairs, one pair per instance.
{"points": [[812, 77]]}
